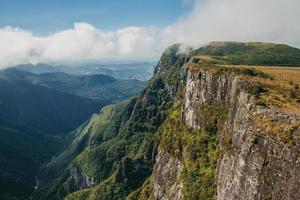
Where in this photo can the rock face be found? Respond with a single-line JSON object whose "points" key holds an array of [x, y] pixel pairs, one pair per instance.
{"points": [[253, 164], [207, 88], [256, 165], [78, 181], [259, 167], [166, 183]]}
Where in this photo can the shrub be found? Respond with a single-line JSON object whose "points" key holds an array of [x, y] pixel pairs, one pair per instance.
{"points": [[256, 89], [211, 128], [293, 93], [254, 72], [261, 103]]}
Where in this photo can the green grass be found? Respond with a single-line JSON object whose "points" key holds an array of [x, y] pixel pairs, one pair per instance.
{"points": [[260, 54]]}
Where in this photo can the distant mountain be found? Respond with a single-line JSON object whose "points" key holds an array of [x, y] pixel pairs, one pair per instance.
{"points": [[40, 68], [141, 71], [43, 109], [101, 88]]}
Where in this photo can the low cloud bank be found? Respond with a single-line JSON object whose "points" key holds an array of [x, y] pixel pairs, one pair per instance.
{"points": [[84, 42], [238, 20]]}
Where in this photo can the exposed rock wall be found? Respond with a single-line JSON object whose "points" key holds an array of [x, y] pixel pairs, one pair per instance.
{"points": [[78, 181], [166, 182], [258, 166], [253, 164], [205, 87]]}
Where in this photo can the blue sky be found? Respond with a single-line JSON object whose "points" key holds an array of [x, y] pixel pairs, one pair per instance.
{"points": [[43, 17]]}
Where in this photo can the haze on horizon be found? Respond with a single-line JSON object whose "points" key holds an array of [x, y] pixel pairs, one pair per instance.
{"points": [[107, 31]]}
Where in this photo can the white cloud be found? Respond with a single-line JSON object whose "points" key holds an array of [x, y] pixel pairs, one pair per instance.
{"points": [[17, 46], [82, 43], [210, 20], [238, 20]]}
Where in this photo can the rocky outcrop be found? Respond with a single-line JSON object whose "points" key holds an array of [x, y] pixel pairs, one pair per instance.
{"points": [[259, 166], [77, 180], [166, 182], [253, 163], [256, 165], [206, 87]]}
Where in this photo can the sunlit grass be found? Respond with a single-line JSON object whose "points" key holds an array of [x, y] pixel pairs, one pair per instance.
{"points": [[283, 87]]}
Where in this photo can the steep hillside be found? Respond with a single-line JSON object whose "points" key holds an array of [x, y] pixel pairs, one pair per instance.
{"points": [[32, 119], [199, 130], [22, 151]]}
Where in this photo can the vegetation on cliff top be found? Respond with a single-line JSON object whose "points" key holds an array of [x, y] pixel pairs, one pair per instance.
{"points": [[252, 53]]}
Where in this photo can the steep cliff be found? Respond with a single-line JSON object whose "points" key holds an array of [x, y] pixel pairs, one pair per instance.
{"points": [[258, 142], [201, 129], [235, 144]]}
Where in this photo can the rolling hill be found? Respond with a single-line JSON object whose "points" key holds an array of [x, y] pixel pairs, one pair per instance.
{"points": [[101, 88], [135, 70]]}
